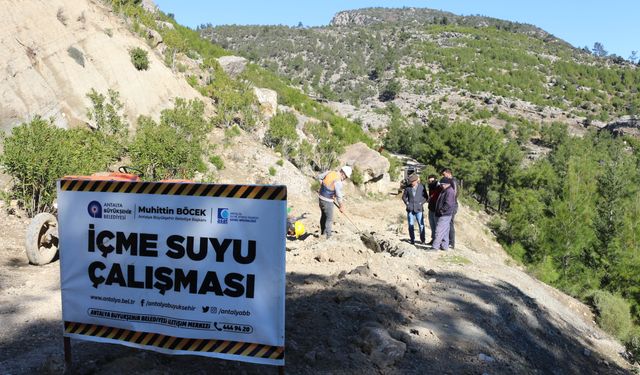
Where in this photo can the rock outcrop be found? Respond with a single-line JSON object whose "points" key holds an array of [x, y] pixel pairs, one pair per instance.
{"points": [[268, 101], [626, 125], [42, 77], [371, 163], [232, 65]]}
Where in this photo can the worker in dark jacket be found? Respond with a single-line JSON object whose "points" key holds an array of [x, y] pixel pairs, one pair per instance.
{"points": [[446, 172], [434, 191], [414, 198], [446, 206]]}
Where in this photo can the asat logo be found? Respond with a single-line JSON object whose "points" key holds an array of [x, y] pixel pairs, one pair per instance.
{"points": [[95, 209], [223, 215]]}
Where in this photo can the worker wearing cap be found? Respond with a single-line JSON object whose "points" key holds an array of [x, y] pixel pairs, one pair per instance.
{"points": [[414, 198], [446, 206], [331, 190]]}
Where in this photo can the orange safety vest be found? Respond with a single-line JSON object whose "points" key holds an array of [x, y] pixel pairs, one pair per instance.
{"points": [[328, 186]]}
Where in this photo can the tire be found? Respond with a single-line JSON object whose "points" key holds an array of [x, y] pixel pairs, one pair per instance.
{"points": [[41, 242]]}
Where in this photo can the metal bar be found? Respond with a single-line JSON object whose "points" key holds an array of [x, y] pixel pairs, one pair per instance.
{"points": [[67, 352]]}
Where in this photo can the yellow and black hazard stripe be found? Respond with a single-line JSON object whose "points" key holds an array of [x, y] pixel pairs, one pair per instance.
{"points": [[278, 192], [177, 343]]}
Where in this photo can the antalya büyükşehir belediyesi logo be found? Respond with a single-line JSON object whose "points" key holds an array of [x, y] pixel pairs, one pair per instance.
{"points": [[95, 209]]}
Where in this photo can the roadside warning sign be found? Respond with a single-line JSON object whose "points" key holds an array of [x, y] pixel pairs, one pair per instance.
{"points": [[180, 268]]}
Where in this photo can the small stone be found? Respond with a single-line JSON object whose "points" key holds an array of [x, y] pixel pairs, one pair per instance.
{"points": [[586, 352], [432, 280], [341, 296], [485, 358], [360, 270], [292, 345], [310, 356]]}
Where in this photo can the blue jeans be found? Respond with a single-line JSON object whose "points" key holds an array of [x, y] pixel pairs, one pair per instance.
{"points": [[411, 218]]}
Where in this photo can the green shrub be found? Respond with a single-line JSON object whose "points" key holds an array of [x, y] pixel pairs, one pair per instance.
{"points": [[230, 133], [280, 162], [234, 98], [613, 314], [272, 171], [304, 155], [357, 177], [390, 91], [37, 153], [139, 58], [162, 152], [192, 81], [76, 55], [282, 134], [394, 165], [217, 162], [172, 148], [107, 114]]}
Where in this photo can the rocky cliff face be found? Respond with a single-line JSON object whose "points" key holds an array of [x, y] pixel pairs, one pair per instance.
{"points": [[407, 16], [54, 52]]}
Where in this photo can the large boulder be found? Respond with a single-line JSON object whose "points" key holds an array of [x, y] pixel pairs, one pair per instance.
{"points": [[268, 100], [149, 6], [232, 65], [165, 25], [371, 163], [153, 37]]}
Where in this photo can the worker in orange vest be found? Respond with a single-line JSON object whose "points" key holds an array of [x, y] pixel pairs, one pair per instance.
{"points": [[331, 190]]}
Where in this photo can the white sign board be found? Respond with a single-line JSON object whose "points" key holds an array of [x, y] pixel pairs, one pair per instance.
{"points": [[179, 268]]}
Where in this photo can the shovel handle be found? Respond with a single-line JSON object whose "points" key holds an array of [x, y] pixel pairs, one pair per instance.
{"points": [[348, 218]]}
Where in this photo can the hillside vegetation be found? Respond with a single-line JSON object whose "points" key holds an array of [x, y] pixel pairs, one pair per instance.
{"points": [[427, 53], [479, 95]]}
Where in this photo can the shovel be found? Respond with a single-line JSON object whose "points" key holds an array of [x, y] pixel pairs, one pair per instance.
{"points": [[367, 239]]}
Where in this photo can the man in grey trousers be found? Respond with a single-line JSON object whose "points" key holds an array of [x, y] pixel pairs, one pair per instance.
{"points": [[330, 192], [446, 172], [446, 206]]}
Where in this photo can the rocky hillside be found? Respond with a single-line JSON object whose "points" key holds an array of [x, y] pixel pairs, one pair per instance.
{"points": [[424, 16], [54, 52], [431, 63]]}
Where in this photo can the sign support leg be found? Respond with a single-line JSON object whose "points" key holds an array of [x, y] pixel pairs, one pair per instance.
{"points": [[280, 370], [67, 352]]}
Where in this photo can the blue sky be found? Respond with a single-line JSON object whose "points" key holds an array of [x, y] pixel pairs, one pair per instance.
{"points": [[614, 23]]}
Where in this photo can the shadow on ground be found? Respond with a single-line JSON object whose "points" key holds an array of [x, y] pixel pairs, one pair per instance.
{"points": [[459, 318]]}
